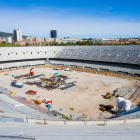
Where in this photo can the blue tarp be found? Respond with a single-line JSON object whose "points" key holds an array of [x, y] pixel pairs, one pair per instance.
{"points": [[132, 111]]}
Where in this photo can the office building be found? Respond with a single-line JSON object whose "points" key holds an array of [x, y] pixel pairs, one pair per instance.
{"points": [[17, 35], [53, 33]]}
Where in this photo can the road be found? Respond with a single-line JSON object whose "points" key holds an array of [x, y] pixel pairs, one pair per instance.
{"points": [[55, 132]]}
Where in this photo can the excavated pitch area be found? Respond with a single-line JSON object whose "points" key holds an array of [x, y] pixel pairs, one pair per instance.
{"points": [[85, 96]]}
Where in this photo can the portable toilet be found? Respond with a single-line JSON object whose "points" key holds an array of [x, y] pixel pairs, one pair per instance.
{"points": [[49, 106]]}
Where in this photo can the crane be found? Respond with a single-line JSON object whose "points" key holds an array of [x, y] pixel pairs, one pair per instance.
{"points": [[31, 72]]}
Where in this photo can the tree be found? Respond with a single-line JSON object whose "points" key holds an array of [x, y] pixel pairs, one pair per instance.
{"points": [[61, 44], [134, 43], [88, 42], [56, 44], [83, 43], [78, 43], [27, 44]]}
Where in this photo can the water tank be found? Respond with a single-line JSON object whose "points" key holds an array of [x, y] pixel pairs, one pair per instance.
{"points": [[120, 103], [126, 105]]}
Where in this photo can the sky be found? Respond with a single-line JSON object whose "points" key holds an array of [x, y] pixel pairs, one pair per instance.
{"points": [[74, 18]]}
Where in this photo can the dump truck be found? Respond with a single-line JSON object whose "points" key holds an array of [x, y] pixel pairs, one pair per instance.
{"points": [[109, 95], [16, 84]]}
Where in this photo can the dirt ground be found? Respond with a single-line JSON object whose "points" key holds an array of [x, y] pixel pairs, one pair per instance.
{"points": [[85, 96]]}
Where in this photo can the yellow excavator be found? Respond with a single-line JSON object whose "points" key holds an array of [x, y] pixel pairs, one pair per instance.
{"points": [[109, 95]]}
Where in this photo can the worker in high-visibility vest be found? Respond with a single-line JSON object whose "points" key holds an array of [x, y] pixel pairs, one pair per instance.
{"points": [[72, 108]]}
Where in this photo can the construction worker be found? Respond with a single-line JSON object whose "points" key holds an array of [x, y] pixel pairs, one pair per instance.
{"points": [[72, 108]]}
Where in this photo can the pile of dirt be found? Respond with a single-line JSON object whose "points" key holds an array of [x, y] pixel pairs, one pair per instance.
{"points": [[105, 108], [124, 92], [54, 83]]}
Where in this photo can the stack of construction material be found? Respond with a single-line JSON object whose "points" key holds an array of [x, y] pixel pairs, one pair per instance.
{"points": [[67, 69]]}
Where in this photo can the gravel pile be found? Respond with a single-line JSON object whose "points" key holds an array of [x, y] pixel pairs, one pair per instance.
{"points": [[129, 116], [124, 92]]}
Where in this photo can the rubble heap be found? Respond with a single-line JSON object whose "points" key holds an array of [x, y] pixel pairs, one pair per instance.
{"points": [[124, 92]]}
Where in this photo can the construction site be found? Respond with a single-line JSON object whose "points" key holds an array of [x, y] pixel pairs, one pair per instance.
{"points": [[72, 90], [70, 83]]}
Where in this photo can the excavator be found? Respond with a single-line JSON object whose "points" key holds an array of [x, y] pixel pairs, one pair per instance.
{"points": [[109, 95], [26, 75], [31, 72]]}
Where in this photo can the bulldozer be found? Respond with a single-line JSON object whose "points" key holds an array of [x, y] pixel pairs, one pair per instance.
{"points": [[37, 101], [109, 95]]}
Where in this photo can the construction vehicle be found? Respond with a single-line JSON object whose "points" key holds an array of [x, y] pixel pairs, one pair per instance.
{"points": [[37, 101], [32, 92], [109, 95], [16, 84], [31, 72], [25, 75], [13, 92], [20, 76]]}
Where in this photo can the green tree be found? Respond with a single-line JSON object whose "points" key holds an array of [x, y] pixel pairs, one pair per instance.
{"points": [[62, 44], [78, 43], [56, 44], [83, 43], [27, 44], [88, 42]]}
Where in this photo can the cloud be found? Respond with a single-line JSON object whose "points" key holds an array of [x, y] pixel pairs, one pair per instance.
{"points": [[39, 21]]}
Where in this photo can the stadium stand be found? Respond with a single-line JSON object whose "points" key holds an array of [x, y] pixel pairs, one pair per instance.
{"points": [[119, 59]]}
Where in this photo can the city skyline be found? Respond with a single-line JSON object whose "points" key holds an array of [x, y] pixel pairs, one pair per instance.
{"points": [[102, 19]]}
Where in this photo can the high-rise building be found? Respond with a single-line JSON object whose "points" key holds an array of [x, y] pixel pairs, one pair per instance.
{"points": [[53, 33], [17, 35]]}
